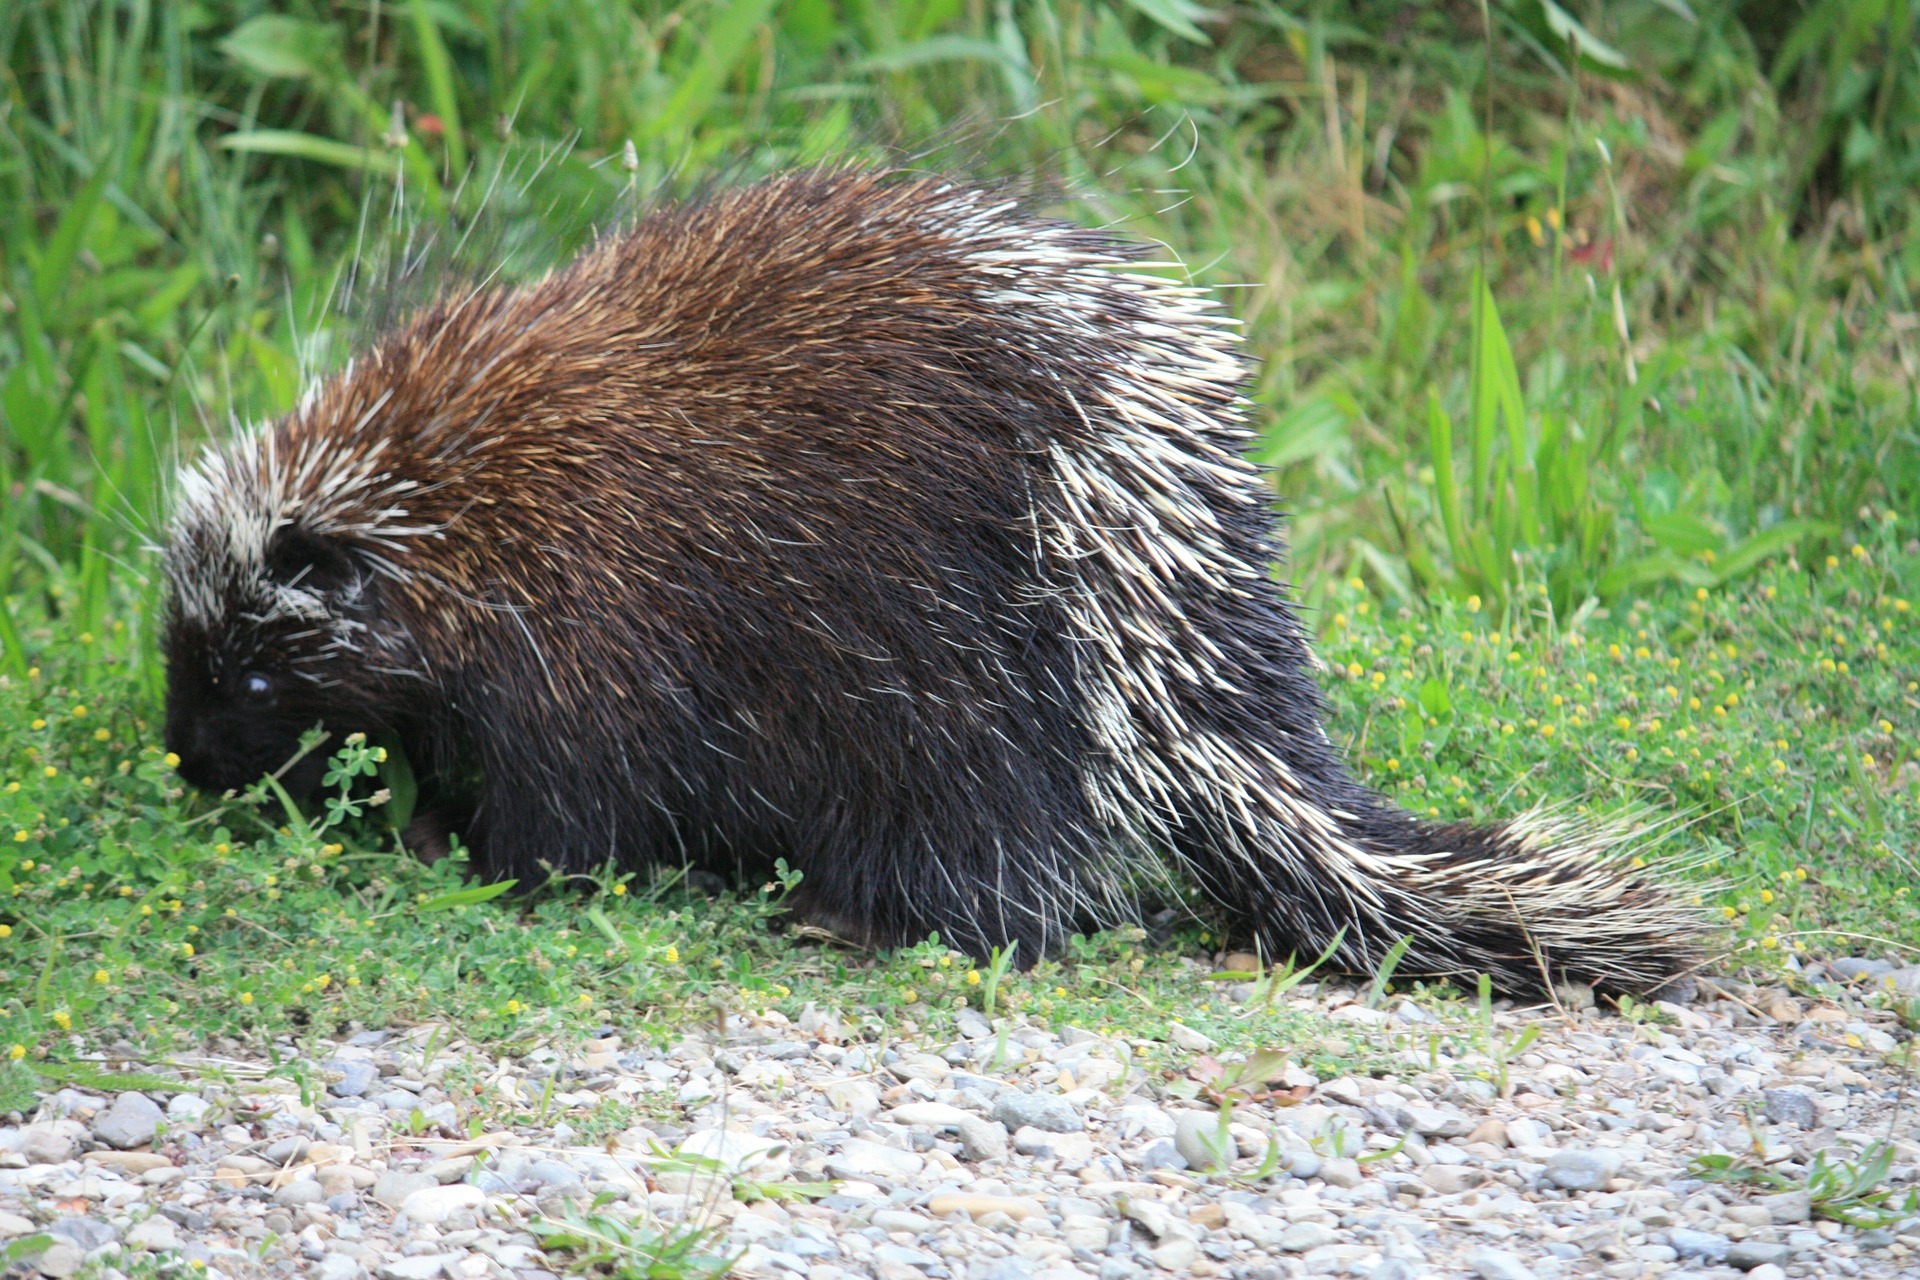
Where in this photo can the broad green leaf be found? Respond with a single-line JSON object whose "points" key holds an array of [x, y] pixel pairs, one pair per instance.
{"points": [[466, 897], [1310, 428], [1573, 33], [934, 49], [275, 45], [1177, 16], [1769, 542], [306, 146], [1684, 533]]}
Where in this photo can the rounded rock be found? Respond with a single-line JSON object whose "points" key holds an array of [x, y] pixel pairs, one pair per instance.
{"points": [[1748, 1254], [437, 1204], [1498, 1264], [1708, 1246], [982, 1139], [59, 1260], [1198, 1138], [1791, 1106], [303, 1191], [1303, 1236], [129, 1123], [1050, 1112], [393, 1187], [1583, 1169]]}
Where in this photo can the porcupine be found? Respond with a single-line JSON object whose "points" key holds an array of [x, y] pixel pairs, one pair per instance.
{"points": [[865, 519]]}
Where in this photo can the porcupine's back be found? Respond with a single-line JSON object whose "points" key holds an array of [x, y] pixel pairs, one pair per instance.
{"points": [[868, 521]]}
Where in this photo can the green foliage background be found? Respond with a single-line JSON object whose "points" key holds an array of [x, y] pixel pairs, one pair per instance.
{"points": [[1697, 230]]}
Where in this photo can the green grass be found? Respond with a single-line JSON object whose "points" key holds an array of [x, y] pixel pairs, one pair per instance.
{"points": [[1772, 731], [1537, 367]]}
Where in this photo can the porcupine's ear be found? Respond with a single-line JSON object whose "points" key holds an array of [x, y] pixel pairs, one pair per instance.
{"points": [[312, 562]]}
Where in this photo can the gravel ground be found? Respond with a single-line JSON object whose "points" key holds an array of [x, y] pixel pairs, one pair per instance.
{"points": [[1012, 1153]]}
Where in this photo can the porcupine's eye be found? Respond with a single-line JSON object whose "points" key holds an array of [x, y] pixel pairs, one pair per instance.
{"points": [[256, 688]]}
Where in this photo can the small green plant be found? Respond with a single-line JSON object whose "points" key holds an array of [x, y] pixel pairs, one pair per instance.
{"points": [[603, 1243], [1640, 1013], [1278, 979], [998, 965], [1383, 975], [1501, 1052], [1854, 1192], [1847, 1190]]}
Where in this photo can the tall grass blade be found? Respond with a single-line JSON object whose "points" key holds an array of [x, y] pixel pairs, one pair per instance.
{"points": [[439, 69]]}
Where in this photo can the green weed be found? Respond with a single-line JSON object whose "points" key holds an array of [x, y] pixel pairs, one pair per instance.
{"points": [[598, 1241]]}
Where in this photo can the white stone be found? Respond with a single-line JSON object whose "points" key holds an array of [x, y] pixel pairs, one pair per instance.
{"points": [[437, 1204], [739, 1153]]}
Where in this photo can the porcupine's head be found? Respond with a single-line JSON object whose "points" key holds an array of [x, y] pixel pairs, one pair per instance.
{"points": [[279, 554]]}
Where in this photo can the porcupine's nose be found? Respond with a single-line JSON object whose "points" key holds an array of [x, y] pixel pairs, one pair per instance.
{"points": [[193, 745]]}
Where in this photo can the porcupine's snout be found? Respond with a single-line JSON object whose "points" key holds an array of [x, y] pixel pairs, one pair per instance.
{"points": [[228, 738]]}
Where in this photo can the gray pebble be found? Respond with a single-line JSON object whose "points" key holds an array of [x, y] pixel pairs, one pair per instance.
{"points": [[190, 1218], [982, 1085], [972, 1024], [1176, 1254], [982, 1139], [428, 1266], [286, 1150], [305, 1191], [1791, 1106], [1788, 1207], [132, 1121], [1708, 1246], [1432, 1122], [1748, 1254], [154, 1235], [1302, 1236], [338, 1266], [186, 1109], [356, 1076], [393, 1187], [86, 1234], [1302, 1164], [1197, 1137], [1340, 1173], [53, 1142], [1583, 1169], [1038, 1111], [1498, 1264], [1162, 1155], [552, 1173], [59, 1260]]}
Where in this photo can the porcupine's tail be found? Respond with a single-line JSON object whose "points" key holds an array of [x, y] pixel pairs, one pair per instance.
{"points": [[1195, 676]]}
